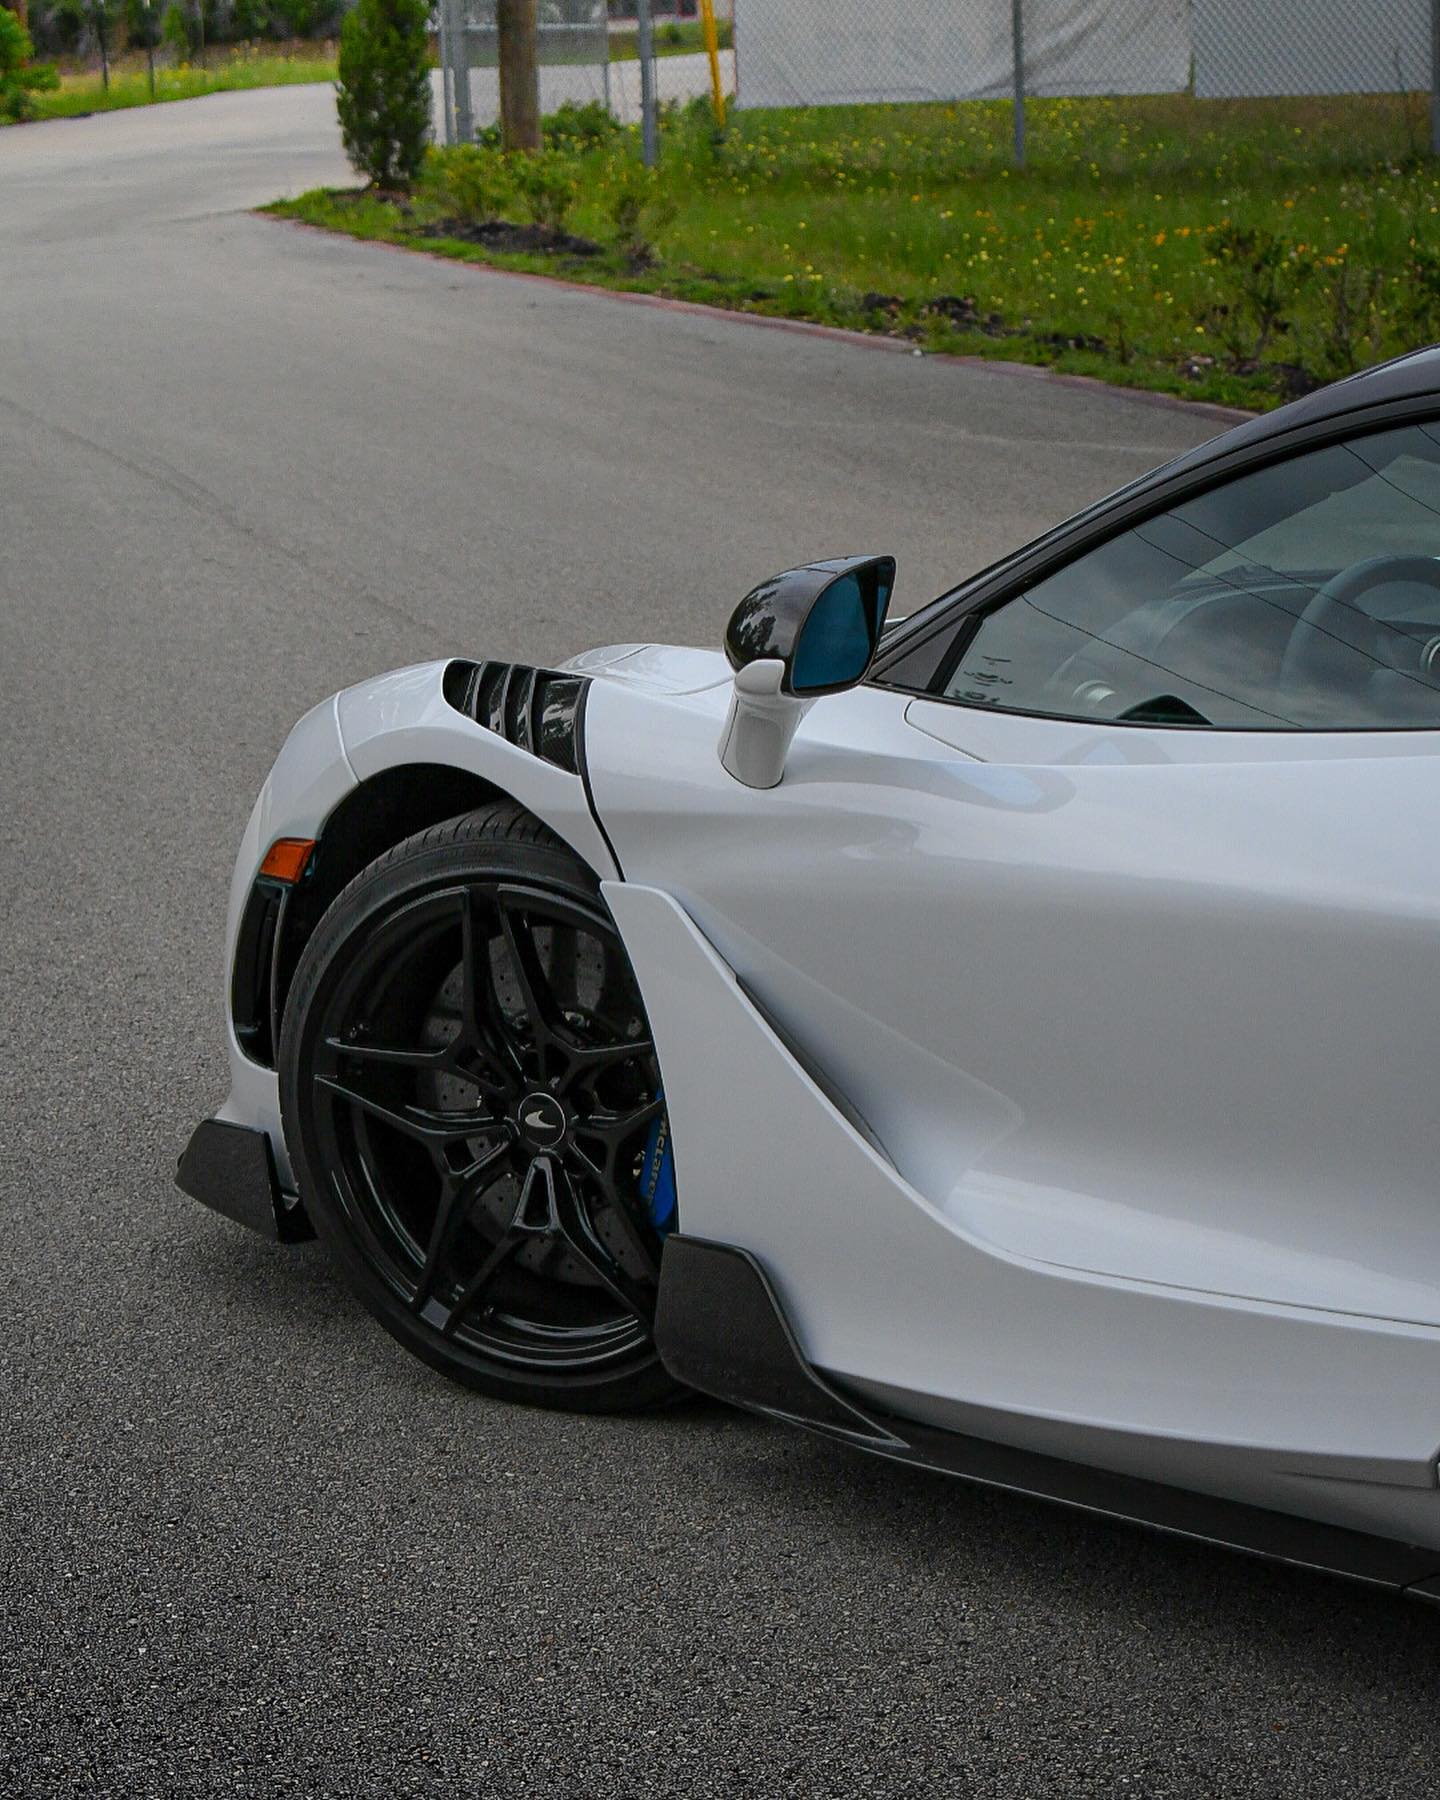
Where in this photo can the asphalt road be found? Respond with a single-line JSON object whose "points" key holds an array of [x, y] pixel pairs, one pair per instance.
{"points": [[246, 1547]]}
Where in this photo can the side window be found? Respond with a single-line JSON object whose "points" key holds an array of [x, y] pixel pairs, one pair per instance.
{"points": [[1303, 596]]}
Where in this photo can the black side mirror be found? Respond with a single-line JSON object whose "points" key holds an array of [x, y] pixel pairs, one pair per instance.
{"points": [[803, 634], [822, 621]]}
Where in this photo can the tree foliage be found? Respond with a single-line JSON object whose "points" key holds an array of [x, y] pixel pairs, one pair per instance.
{"points": [[20, 77], [175, 31], [383, 94]]}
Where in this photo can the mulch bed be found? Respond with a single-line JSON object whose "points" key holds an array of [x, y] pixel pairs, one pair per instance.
{"points": [[529, 240]]}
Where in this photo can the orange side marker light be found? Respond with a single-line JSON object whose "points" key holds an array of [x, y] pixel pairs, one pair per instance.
{"points": [[286, 859]]}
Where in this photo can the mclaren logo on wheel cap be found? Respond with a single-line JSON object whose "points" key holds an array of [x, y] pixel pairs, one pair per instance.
{"points": [[542, 1119]]}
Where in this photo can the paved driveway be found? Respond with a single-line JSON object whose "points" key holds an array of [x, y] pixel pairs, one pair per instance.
{"points": [[245, 1546]]}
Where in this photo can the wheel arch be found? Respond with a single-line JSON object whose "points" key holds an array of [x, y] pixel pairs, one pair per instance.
{"points": [[379, 812]]}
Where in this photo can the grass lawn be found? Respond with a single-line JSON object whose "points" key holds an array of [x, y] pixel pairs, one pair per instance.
{"points": [[676, 37], [233, 66], [1234, 251]]}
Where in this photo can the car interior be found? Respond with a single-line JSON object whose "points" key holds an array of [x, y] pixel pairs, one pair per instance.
{"points": [[1305, 595]]}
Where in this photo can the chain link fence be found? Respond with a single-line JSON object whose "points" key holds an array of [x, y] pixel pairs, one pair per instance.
{"points": [[847, 52], [1247, 49], [573, 43], [80, 33]]}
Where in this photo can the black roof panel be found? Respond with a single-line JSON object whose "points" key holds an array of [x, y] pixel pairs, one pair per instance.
{"points": [[1402, 378]]}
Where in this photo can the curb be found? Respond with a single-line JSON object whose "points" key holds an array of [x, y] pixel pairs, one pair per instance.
{"points": [[867, 340]]}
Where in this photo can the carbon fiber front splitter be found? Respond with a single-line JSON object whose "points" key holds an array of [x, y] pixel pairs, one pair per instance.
{"points": [[231, 1169], [720, 1328]]}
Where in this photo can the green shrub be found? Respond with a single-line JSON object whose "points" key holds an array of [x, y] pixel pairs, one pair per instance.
{"points": [[1419, 284], [1260, 275], [142, 24], [638, 209], [577, 128], [547, 187], [383, 94], [476, 185], [175, 31], [1348, 294], [249, 19], [19, 76]]}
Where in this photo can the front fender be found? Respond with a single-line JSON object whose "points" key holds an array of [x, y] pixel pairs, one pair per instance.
{"points": [[395, 721], [307, 781], [404, 718]]}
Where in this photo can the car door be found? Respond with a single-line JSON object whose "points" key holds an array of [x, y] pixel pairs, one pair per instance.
{"points": [[1124, 940]]}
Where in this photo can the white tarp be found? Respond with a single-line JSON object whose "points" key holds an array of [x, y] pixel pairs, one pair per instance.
{"points": [[1247, 48], [839, 52]]}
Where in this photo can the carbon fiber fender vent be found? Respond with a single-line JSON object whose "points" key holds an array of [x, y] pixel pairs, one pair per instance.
{"points": [[536, 710]]}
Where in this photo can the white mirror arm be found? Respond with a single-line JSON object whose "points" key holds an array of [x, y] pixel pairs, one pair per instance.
{"points": [[760, 724]]}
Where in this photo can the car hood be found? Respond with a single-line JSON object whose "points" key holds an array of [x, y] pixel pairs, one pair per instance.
{"points": [[663, 668]]}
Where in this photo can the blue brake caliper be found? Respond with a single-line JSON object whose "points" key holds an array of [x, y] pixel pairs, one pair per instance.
{"points": [[657, 1174]]}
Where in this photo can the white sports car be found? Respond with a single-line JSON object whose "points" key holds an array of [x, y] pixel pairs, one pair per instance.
{"points": [[1008, 1044]]}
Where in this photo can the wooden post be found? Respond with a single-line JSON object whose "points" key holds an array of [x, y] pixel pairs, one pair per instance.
{"points": [[519, 75]]}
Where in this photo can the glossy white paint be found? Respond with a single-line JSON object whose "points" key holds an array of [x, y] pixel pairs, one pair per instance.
{"points": [[1152, 1014], [760, 724], [404, 717], [396, 719], [308, 780], [1145, 1010], [1316, 1412], [1110, 1132]]}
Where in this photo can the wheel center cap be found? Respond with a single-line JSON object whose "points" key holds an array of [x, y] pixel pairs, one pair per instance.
{"points": [[542, 1120]]}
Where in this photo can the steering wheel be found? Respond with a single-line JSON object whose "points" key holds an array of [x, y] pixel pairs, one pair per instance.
{"points": [[1333, 639]]}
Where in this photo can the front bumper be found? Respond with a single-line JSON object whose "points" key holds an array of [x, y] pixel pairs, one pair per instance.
{"points": [[231, 1169]]}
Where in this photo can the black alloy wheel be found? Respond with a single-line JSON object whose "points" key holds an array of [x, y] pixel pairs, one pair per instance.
{"points": [[470, 1092]]}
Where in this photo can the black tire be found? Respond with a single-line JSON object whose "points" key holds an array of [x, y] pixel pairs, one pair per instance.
{"points": [[470, 1092]]}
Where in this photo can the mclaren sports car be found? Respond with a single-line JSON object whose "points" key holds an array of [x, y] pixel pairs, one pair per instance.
{"points": [[1005, 1040]]}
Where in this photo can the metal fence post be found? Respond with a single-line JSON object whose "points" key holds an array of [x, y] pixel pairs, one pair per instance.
{"points": [[460, 52], [1017, 53], [149, 47], [442, 22], [649, 122]]}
